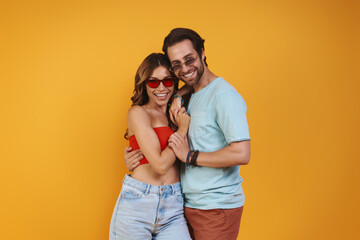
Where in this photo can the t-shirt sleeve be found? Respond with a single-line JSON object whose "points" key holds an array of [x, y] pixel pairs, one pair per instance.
{"points": [[231, 116]]}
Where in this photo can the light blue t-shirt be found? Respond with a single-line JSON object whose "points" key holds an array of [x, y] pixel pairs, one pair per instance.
{"points": [[218, 118]]}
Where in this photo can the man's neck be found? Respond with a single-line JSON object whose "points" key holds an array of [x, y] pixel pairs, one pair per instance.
{"points": [[205, 80]]}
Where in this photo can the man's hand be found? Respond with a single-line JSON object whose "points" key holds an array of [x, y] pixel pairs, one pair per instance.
{"points": [[179, 145], [132, 158]]}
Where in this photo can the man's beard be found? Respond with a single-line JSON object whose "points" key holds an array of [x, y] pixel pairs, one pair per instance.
{"points": [[199, 74]]}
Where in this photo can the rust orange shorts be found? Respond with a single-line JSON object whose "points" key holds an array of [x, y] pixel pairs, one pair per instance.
{"points": [[219, 224]]}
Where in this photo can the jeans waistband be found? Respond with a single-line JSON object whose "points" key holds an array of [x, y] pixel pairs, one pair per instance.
{"points": [[154, 189]]}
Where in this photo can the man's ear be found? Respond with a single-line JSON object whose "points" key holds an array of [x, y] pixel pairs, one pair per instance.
{"points": [[202, 54]]}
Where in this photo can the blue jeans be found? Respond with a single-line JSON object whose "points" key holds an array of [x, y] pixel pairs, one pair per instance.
{"points": [[145, 211]]}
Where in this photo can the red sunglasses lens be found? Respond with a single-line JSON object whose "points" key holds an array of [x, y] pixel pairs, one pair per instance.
{"points": [[168, 82], [155, 83]]}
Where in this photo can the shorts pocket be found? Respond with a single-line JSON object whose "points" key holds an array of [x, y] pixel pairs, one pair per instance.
{"points": [[130, 193], [179, 198]]}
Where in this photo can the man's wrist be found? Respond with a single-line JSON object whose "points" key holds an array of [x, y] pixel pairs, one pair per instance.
{"points": [[188, 158], [184, 157]]}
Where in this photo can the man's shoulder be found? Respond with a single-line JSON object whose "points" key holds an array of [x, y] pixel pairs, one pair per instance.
{"points": [[223, 87]]}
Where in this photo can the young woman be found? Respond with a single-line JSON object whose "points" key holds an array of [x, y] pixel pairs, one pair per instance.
{"points": [[150, 204]]}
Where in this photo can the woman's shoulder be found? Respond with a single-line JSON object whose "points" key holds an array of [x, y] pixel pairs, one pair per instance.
{"points": [[138, 114], [136, 109]]}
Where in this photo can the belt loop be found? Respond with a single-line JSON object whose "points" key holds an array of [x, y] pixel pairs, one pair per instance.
{"points": [[173, 190], [124, 178], [147, 189]]}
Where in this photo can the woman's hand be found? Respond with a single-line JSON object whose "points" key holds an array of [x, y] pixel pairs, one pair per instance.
{"points": [[174, 108], [132, 158], [182, 120]]}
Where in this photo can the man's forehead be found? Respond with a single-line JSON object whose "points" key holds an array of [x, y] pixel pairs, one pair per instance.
{"points": [[181, 50]]}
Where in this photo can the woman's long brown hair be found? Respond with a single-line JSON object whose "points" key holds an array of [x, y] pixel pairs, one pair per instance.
{"points": [[143, 73]]}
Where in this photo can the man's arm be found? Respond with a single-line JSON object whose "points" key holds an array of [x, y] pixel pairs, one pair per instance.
{"points": [[231, 118], [132, 158], [237, 153]]}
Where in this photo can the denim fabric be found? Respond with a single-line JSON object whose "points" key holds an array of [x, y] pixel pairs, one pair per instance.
{"points": [[145, 211]]}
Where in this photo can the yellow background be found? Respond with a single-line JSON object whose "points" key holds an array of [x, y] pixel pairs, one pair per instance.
{"points": [[66, 78]]}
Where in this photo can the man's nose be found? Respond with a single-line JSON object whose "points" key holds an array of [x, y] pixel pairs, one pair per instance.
{"points": [[184, 68]]}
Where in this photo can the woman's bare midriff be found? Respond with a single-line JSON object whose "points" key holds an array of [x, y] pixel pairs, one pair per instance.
{"points": [[146, 174]]}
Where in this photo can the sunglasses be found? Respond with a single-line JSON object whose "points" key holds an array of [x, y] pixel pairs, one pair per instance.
{"points": [[188, 62], [154, 82]]}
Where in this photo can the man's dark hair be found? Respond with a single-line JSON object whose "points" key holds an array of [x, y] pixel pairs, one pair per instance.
{"points": [[179, 34]]}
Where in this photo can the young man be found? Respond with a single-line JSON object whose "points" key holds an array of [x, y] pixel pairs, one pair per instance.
{"points": [[218, 138]]}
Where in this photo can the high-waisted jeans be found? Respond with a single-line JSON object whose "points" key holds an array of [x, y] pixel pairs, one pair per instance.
{"points": [[145, 211]]}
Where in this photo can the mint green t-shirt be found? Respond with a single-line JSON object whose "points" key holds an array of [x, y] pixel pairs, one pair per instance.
{"points": [[218, 118]]}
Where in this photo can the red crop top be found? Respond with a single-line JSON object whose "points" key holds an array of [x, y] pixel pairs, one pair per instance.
{"points": [[163, 134]]}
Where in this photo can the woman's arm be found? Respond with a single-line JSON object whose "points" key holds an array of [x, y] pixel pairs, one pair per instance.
{"points": [[139, 123], [176, 102]]}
